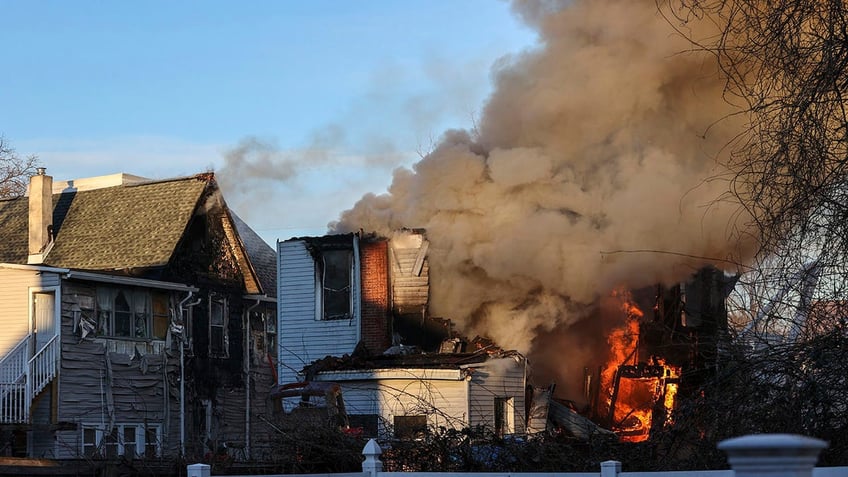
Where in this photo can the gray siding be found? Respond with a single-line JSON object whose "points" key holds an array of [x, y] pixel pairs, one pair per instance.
{"points": [[304, 339], [497, 378], [14, 296], [100, 386]]}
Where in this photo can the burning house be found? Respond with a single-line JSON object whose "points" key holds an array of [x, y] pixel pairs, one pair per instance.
{"points": [[668, 342], [136, 312], [353, 310]]}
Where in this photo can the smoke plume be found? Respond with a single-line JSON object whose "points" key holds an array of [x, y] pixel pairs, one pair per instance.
{"points": [[595, 164]]}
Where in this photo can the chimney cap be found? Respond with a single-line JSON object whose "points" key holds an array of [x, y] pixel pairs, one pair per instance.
{"points": [[40, 171]]}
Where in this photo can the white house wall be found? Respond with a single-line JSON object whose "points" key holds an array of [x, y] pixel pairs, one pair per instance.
{"points": [[497, 378], [15, 285], [445, 403], [302, 338]]}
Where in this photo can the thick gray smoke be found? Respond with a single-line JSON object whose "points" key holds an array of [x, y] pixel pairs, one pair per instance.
{"points": [[607, 138]]}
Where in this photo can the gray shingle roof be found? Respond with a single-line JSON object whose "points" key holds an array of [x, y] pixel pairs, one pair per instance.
{"points": [[261, 255], [113, 228]]}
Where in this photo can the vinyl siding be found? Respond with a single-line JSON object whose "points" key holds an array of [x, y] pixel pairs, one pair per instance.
{"points": [[302, 338], [14, 296], [502, 377], [443, 402], [103, 379]]}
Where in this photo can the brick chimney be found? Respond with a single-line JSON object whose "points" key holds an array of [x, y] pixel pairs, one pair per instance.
{"points": [[376, 326], [40, 216]]}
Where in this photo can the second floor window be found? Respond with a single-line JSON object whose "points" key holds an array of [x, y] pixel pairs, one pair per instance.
{"points": [[132, 312], [334, 273], [218, 344]]}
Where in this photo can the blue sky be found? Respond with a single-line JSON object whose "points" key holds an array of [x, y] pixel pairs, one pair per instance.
{"points": [[342, 92]]}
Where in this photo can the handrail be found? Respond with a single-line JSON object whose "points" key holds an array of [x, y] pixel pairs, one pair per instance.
{"points": [[13, 384], [42, 366], [13, 365], [21, 379]]}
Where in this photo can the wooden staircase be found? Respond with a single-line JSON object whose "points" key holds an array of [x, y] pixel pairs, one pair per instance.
{"points": [[23, 377]]}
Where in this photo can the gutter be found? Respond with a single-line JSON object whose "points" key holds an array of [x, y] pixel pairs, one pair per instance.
{"points": [[394, 373], [121, 280], [247, 376]]}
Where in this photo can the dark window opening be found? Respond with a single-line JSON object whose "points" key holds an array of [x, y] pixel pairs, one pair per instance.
{"points": [[366, 422], [410, 427], [335, 277], [217, 326]]}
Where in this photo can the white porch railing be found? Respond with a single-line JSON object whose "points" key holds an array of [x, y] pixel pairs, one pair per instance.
{"points": [[42, 366], [14, 407], [22, 378], [13, 365], [765, 455]]}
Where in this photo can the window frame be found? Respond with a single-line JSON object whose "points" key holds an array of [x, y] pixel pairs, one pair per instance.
{"points": [[224, 351], [322, 290], [136, 318], [504, 415], [115, 439]]}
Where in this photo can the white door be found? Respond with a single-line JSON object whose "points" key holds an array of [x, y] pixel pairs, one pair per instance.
{"points": [[43, 319]]}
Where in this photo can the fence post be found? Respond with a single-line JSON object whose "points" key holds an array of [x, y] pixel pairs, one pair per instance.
{"points": [[198, 470], [372, 464], [772, 455], [610, 468]]}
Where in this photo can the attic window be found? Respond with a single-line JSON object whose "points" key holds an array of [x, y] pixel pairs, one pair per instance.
{"points": [[334, 274]]}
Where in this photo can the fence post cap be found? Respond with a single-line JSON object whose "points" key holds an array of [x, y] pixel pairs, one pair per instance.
{"points": [[759, 443], [772, 454], [372, 448]]}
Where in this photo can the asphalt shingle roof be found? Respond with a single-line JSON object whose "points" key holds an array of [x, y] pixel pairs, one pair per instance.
{"points": [[113, 228], [261, 255]]}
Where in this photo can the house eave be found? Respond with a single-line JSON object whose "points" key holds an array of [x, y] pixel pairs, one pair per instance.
{"points": [[399, 373], [130, 281], [36, 268], [262, 298]]}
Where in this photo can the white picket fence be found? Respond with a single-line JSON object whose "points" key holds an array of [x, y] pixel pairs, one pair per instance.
{"points": [[763, 455]]}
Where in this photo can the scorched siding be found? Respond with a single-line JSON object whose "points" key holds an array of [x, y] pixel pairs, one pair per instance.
{"points": [[303, 338]]}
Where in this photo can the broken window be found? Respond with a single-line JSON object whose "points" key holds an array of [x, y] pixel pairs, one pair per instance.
{"points": [[218, 326], [410, 427], [132, 313], [504, 412], [161, 315], [334, 277], [122, 314], [271, 333]]}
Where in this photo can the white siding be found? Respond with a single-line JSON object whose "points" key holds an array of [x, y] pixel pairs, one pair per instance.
{"points": [[443, 402], [503, 377], [14, 299], [302, 338]]}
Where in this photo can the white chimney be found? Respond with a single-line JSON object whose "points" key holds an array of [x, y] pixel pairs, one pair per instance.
{"points": [[40, 216]]}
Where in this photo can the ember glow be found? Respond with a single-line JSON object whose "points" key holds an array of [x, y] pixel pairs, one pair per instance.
{"points": [[634, 390]]}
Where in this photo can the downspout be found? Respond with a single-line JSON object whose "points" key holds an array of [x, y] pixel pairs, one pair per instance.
{"points": [[247, 379], [357, 288], [182, 366]]}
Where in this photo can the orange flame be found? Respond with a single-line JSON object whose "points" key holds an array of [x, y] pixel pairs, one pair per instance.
{"points": [[636, 397]]}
